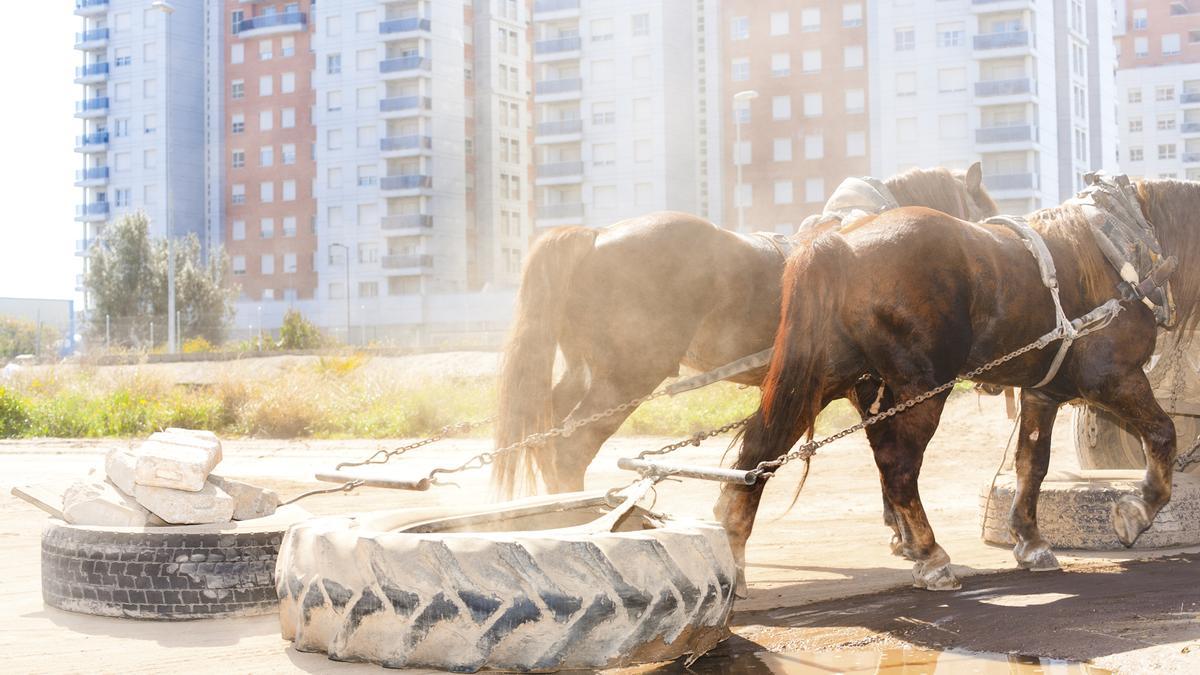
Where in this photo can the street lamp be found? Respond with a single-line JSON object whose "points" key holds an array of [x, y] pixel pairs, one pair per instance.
{"points": [[347, 250], [166, 9], [743, 97]]}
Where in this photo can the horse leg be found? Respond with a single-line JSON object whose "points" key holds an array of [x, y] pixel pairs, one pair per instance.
{"points": [[869, 397], [1033, 458], [1133, 401]]}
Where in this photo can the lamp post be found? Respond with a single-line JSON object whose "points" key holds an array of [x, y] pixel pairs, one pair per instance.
{"points": [[166, 9], [741, 97], [347, 250]]}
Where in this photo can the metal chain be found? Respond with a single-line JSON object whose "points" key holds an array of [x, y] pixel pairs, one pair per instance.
{"points": [[696, 438], [449, 429]]}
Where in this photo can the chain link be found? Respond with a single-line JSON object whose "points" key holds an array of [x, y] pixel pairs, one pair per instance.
{"points": [[384, 456], [695, 439]]}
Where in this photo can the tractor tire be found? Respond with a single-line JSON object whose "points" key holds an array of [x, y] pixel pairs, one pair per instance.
{"points": [[165, 573], [1102, 441], [1075, 511], [374, 588]]}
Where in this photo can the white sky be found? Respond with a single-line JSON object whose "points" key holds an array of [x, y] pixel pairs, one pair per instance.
{"points": [[37, 158]]}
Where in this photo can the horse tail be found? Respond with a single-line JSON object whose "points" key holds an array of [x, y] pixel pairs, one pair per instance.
{"points": [[814, 290], [527, 369]]}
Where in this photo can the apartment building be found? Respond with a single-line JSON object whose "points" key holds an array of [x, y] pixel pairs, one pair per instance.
{"points": [[794, 82], [619, 104], [267, 165], [135, 98], [1022, 85], [1158, 84]]}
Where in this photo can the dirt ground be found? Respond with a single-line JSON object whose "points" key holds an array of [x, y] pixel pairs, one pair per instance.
{"points": [[821, 574]]}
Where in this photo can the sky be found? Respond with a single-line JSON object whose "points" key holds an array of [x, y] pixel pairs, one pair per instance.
{"points": [[37, 229]]}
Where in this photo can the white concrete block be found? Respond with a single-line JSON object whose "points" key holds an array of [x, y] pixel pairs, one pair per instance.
{"points": [[249, 501], [181, 507], [181, 461], [94, 502], [121, 467]]}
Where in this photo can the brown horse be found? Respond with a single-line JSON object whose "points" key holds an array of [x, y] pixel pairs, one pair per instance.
{"points": [[628, 304], [915, 298]]}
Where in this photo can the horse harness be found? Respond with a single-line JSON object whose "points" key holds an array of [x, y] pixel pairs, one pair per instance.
{"points": [[1130, 246]]}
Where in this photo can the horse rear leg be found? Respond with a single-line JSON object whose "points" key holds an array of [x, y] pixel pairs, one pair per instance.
{"points": [[1033, 458], [869, 397]]}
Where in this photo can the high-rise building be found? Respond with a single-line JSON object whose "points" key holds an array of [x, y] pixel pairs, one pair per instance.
{"points": [[1023, 85], [138, 93], [1158, 95], [794, 104]]}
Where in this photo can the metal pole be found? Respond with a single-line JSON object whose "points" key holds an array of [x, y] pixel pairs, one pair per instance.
{"points": [[172, 328], [260, 329], [107, 331], [737, 160], [347, 295], [151, 336], [178, 333]]}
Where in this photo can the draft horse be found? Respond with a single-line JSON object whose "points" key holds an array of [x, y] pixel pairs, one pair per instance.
{"points": [[915, 298], [629, 303]]}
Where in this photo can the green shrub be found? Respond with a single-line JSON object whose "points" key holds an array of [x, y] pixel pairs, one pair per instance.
{"points": [[197, 345], [14, 414], [298, 332]]}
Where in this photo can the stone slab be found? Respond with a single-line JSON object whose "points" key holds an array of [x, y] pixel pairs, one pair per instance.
{"points": [[120, 465], [176, 460], [249, 501], [100, 503], [210, 504]]}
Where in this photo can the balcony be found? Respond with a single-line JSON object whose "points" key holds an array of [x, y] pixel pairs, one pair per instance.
{"points": [[1191, 158], [90, 7], [93, 177], [92, 212], [985, 6], [1190, 127], [91, 73], [405, 182], [416, 263], [411, 221], [405, 145], [269, 24], [1190, 97], [96, 38], [405, 104], [96, 141], [559, 128], [563, 88], [563, 47], [1004, 40], [1006, 134], [569, 211], [551, 6], [81, 247], [1022, 85], [559, 169], [92, 107], [400, 26], [406, 65], [1011, 181]]}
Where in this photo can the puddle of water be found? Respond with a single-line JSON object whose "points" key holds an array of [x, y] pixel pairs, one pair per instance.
{"points": [[890, 662]]}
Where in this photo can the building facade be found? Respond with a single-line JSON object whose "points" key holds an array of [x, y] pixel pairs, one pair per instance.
{"points": [[137, 74], [1158, 96]]}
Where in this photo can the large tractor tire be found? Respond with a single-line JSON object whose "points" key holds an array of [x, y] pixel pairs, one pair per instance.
{"points": [[1102, 441], [500, 589], [167, 573]]}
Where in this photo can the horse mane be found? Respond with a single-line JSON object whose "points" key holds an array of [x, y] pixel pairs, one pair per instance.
{"points": [[1173, 208], [1069, 225], [939, 189]]}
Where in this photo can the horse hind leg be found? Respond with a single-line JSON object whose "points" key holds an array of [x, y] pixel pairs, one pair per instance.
{"points": [[1038, 411], [869, 397]]}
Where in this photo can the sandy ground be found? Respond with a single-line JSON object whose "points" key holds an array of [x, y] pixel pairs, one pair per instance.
{"points": [[821, 574]]}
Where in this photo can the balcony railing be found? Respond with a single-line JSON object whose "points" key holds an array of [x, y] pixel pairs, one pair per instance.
{"points": [[554, 5], [1190, 127], [562, 44], [1006, 134], [988, 2], [407, 221], [92, 35], [558, 169], [90, 4], [94, 173], [94, 138], [1190, 97], [1011, 181], [402, 262], [271, 21], [1022, 85], [412, 142], [407, 25], [550, 211], [1191, 157], [405, 182], [559, 127], [559, 86], [93, 209], [91, 104], [404, 63], [92, 69], [402, 103], [1018, 38]]}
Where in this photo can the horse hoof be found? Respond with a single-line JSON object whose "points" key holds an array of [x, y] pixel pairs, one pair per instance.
{"points": [[1035, 556], [1131, 517], [934, 573], [741, 590]]}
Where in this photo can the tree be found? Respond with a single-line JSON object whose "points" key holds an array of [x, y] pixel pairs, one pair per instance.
{"points": [[298, 332], [127, 280], [20, 336]]}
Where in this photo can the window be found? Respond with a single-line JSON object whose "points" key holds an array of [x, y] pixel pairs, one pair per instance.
{"points": [[1135, 154], [267, 262], [289, 263], [287, 83], [289, 226], [121, 127], [237, 194], [287, 118], [149, 123], [604, 154], [122, 196], [781, 65], [856, 144], [333, 64], [266, 228], [852, 56], [368, 289], [121, 161], [1135, 95], [1141, 47], [1135, 125], [333, 26], [333, 177], [238, 230], [602, 30], [364, 22], [121, 22], [1166, 151], [740, 70], [852, 15], [367, 136], [289, 190], [782, 150], [150, 195], [265, 52], [266, 155], [238, 263], [856, 101], [1166, 122], [640, 25], [810, 19], [333, 100], [239, 159], [812, 104], [365, 98], [266, 192], [121, 91], [266, 120], [238, 123], [779, 23], [602, 71], [149, 88], [287, 46], [238, 89], [121, 57], [334, 216], [814, 190], [739, 28], [1170, 44], [744, 195], [1139, 19], [906, 84], [1164, 92], [368, 214], [952, 80], [365, 59], [266, 85], [814, 146], [641, 67], [810, 60], [906, 129], [783, 192], [366, 175], [643, 148], [149, 52], [743, 153], [906, 39], [781, 107], [950, 34], [288, 151]]}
